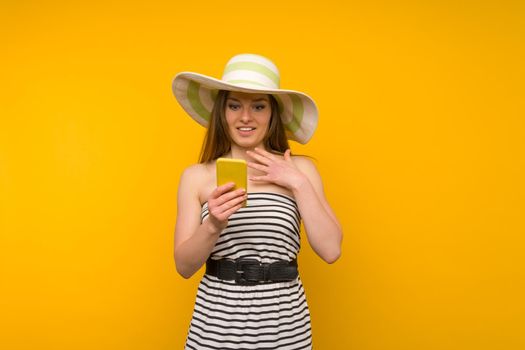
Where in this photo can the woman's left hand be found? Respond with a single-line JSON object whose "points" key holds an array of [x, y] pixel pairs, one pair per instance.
{"points": [[282, 172]]}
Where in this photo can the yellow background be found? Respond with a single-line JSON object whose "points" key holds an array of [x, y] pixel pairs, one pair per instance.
{"points": [[420, 144]]}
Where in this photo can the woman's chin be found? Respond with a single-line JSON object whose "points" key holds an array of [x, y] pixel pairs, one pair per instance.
{"points": [[246, 143]]}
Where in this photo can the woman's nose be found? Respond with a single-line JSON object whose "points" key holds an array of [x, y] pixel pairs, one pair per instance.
{"points": [[245, 114]]}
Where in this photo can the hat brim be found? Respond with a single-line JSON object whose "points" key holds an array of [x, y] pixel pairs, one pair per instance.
{"points": [[196, 94]]}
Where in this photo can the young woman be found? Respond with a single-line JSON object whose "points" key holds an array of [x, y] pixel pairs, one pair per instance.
{"points": [[251, 296]]}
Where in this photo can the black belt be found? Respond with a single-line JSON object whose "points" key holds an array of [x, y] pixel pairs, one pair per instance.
{"points": [[246, 271]]}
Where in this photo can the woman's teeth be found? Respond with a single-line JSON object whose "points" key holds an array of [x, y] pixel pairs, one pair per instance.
{"points": [[246, 129]]}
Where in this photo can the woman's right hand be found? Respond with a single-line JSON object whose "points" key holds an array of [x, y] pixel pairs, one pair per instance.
{"points": [[222, 203]]}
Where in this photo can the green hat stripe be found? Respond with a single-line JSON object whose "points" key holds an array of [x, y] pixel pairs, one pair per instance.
{"points": [[297, 114], [195, 101], [255, 67]]}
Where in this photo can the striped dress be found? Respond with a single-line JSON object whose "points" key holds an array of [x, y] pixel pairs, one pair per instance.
{"points": [[264, 316]]}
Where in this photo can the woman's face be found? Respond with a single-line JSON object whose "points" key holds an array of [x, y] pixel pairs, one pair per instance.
{"points": [[248, 118]]}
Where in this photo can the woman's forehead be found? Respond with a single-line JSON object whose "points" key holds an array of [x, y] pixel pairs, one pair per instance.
{"points": [[247, 96]]}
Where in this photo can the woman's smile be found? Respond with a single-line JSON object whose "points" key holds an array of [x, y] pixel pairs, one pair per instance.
{"points": [[246, 131]]}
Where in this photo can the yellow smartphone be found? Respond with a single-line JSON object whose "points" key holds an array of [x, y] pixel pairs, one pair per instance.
{"points": [[232, 170]]}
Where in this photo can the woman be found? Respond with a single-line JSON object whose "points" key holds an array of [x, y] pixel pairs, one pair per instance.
{"points": [[251, 296]]}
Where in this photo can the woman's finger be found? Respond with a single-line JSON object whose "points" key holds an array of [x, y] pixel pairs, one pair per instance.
{"points": [[264, 153], [261, 159], [258, 166], [225, 197], [287, 156], [232, 210], [224, 211], [219, 190], [259, 178]]}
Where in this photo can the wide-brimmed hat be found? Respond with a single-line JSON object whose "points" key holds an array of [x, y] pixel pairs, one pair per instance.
{"points": [[249, 73]]}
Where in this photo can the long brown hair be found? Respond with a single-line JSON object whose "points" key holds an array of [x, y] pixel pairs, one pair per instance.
{"points": [[217, 141]]}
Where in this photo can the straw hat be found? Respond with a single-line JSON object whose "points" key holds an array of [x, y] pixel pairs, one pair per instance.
{"points": [[250, 73]]}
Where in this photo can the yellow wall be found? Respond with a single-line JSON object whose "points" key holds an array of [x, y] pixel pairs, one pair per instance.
{"points": [[420, 144]]}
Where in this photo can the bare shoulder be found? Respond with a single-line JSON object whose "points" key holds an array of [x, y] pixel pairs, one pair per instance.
{"points": [[195, 171], [305, 164], [195, 181], [192, 178]]}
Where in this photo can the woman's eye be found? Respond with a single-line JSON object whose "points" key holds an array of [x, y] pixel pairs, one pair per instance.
{"points": [[233, 107], [259, 107]]}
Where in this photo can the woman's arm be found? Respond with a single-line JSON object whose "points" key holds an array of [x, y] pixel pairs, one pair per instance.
{"points": [[302, 178], [321, 225], [194, 241]]}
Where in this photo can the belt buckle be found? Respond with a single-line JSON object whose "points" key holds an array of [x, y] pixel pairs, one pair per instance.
{"points": [[240, 278]]}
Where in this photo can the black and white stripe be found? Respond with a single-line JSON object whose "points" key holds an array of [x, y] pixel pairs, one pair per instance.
{"points": [[275, 316]]}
